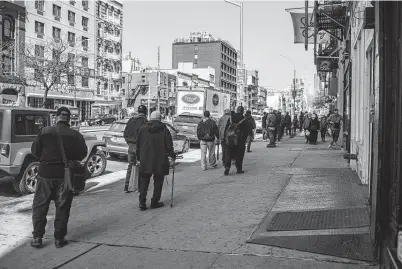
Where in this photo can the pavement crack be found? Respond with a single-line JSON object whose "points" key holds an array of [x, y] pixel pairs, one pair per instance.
{"points": [[212, 264], [76, 257]]}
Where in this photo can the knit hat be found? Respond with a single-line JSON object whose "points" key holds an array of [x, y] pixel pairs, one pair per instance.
{"points": [[156, 115], [64, 109]]}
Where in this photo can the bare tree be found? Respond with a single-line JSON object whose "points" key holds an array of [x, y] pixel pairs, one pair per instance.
{"points": [[53, 64]]}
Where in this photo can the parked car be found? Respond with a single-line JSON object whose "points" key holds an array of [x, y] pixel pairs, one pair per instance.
{"points": [[102, 119], [19, 128], [258, 122], [187, 124], [116, 145]]}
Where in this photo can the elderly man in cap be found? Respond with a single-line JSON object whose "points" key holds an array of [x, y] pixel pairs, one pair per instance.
{"points": [[47, 149], [154, 146]]}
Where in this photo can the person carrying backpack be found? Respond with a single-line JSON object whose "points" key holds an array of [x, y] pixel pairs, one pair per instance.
{"points": [[207, 131], [236, 132], [130, 135], [271, 126]]}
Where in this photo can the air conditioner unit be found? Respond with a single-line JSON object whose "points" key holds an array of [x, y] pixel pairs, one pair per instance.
{"points": [[72, 23], [85, 28], [56, 18], [40, 11], [39, 35]]}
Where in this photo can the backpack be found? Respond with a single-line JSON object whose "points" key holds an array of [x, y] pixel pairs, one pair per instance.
{"points": [[132, 129], [233, 133]]}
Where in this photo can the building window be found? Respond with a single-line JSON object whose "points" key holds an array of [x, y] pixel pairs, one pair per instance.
{"points": [[56, 33], [56, 55], [71, 79], [39, 28], [85, 23], [71, 16], [71, 38], [56, 11], [84, 42], [39, 51], [39, 5], [37, 75], [195, 47], [85, 4], [71, 58], [84, 81], [195, 56], [84, 62], [8, 27]]}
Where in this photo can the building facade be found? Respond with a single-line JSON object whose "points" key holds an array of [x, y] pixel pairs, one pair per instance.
{"points": [[12, 40], [262, 97], [252, 89], [205, 51], [73, 23]]}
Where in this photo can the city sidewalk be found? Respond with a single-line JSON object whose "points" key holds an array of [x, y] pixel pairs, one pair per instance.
{"points": [[254, 220]]}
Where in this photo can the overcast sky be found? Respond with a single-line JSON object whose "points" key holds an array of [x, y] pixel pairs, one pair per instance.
{"points": [[268, 32]]}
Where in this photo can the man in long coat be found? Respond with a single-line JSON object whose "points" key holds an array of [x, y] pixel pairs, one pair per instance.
{"points": [[154, 146]]}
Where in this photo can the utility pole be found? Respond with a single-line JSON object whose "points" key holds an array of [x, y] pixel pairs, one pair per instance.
{"points": [[159, 80], [294, 91]]}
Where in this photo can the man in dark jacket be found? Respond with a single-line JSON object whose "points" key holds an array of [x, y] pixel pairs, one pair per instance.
{"points": [[207, 131], [237, 152], [287, 122], [252, 126], [279, 129], [264, 126], [130, 135], [301, 120], [223, 121], [50, 186], [271, 126], [154, 146]]}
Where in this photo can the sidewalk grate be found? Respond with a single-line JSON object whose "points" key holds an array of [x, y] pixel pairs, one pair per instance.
{"points": [[320, 219]]}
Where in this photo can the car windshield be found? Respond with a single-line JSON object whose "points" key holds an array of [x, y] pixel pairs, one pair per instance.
{"points": [[188, 119], [117, 127]]}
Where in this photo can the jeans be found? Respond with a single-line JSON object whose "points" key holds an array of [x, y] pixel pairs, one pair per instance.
{"points": [[264, 134], [272, 137], [46, 191], [323, 133], [132, 160], [335, 135], [210, 148], [158, 184]]}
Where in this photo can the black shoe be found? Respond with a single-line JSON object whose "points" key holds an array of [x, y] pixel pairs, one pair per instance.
{"points": [[226, 172], [239, 172], [143, 207], [249, 151], [36, 242], [157, 205], [59, 243]]}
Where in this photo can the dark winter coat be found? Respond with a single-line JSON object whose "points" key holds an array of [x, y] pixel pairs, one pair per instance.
{"points": [[154, 145], [323, 123], [264, 121], [244, 127], [314, 125], [251, 124], [132, 128], [287, 120], [46, 148], [207, 130], [223, 121], [278, 119], [271, 120]]}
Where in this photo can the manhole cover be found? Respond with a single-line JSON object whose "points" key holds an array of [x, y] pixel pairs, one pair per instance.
{"points": [[296, 149], [320, 219]]}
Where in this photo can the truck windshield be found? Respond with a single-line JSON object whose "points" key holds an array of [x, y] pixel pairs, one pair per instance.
{"points": [[188, 119]]}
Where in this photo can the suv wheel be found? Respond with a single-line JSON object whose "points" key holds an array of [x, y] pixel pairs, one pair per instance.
{"points": [[96, 163], [186, 146], [29, 179]]}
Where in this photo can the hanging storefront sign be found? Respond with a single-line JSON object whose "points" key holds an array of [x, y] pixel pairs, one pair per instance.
{"points": [[303, 28], [324, 65]]}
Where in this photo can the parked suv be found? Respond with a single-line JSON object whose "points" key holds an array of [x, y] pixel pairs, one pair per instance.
{"points": [[102, 119], [187, 124], [18, 129]]}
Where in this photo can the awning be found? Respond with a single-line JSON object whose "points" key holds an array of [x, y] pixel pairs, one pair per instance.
{"points": [[107, 103], [66, 97]]}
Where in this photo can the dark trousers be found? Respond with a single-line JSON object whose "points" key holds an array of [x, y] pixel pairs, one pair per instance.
{"points": [[236, 153], [313, 137], [249, 140], [144, 184], [294, 130], [223, 147], [280, 132], [323, 133], [272, 136], [288, 130], [46, 191], [132, 160], [335, 135]]}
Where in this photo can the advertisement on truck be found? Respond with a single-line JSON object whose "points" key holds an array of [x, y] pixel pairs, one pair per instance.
{"points": [[217, 102], [190, 102]]}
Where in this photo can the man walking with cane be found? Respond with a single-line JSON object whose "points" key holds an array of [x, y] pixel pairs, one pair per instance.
{"points": [[154, 146]]}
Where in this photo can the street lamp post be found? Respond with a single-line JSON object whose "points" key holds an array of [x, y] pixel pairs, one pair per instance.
{"points": [[294, 82], [240, 5]]}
